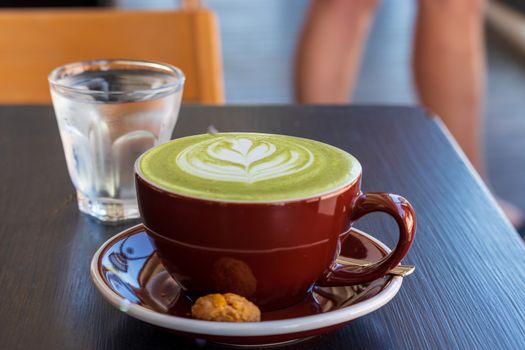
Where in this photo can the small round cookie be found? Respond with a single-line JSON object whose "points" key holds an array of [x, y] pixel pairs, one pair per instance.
{"points": [[226, 307]]}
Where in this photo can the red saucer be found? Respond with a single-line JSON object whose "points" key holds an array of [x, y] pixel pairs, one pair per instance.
{"points": [[128, 273]]}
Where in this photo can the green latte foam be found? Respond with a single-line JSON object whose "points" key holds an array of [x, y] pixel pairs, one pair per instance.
{"points": [[248, 167]]}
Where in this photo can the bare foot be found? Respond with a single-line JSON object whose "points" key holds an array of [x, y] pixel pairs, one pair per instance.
{"points": [[513, 213]]}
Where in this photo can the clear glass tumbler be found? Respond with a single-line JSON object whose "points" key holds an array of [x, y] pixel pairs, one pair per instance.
{"points": [[109, 112]]}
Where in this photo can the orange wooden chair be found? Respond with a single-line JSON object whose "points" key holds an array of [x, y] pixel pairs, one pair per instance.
{"points": [[33, 42]]}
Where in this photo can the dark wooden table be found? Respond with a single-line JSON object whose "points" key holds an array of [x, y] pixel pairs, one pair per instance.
{"points": [[468, 291]]}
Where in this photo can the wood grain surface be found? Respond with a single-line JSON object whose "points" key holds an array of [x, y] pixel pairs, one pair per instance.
{"points": [[468, 291]]}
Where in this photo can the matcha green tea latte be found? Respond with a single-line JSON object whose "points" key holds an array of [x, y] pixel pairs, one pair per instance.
{"points": [[248, 167]]}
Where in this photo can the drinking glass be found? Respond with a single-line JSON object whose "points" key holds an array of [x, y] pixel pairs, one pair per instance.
{"points": [[109, 112]]}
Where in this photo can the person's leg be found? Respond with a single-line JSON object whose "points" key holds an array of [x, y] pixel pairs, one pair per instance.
{"points": [[449, 67], [329, 50], [449, 70]]}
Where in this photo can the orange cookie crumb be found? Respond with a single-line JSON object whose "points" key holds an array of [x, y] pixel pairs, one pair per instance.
{"points": [[226, 307]]}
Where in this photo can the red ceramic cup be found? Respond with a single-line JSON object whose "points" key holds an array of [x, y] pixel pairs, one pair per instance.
{"points": [[272, 253]]}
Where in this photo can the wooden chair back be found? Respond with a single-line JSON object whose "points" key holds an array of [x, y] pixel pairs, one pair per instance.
{"points": [[34, 42]]}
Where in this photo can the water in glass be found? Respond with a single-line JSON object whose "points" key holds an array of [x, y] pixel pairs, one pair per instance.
{"points": [[103, 133]]}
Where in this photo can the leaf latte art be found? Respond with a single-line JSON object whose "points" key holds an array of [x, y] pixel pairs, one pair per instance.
{"points": [[243, 160], [248, 167]]}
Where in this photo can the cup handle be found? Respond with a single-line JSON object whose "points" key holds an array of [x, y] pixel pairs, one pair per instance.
{"points": [[401, 210]]}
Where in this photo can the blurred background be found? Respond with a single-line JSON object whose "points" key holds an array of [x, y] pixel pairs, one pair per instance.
{"points": [[259, 37]]}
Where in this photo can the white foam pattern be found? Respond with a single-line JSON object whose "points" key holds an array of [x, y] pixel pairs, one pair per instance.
{"points": [[241, 159]]}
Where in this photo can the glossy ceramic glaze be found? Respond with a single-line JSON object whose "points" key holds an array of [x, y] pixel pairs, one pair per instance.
{"points": [[272, 253], [128, 272]]}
